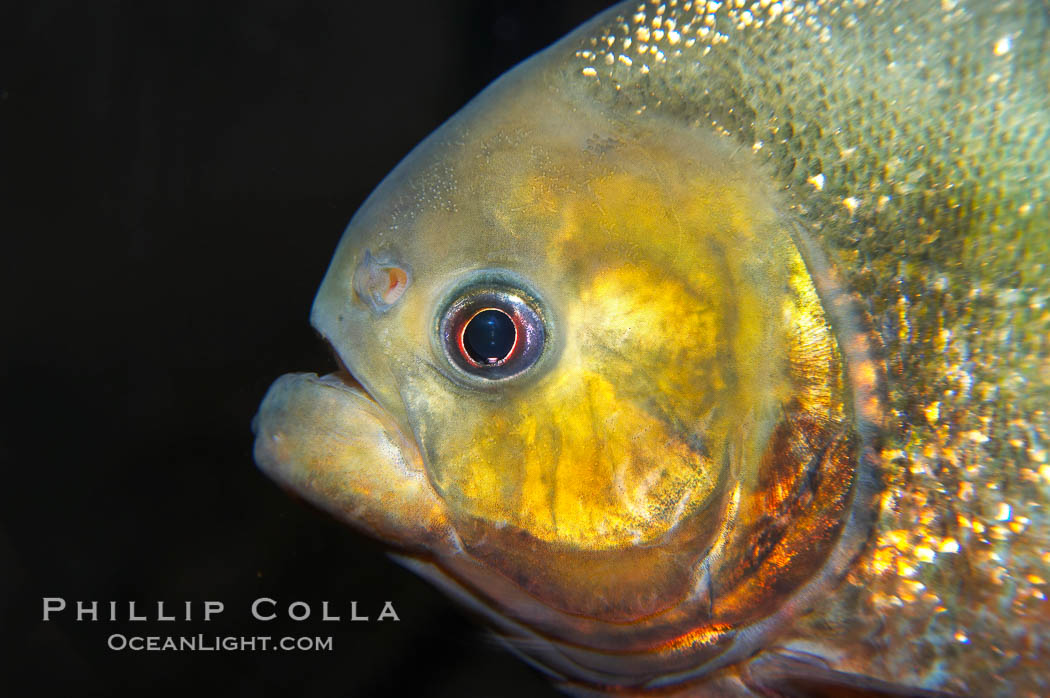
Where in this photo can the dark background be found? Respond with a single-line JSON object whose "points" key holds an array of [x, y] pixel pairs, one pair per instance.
{"points": [[174, 178]]}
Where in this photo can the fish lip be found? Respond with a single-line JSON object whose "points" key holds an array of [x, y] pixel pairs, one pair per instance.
{"points": [[343, 379], [340, 379]]}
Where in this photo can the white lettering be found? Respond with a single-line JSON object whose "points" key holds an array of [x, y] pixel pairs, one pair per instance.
{"points": [[131, 614], [388, 612], [83, 610], [212, 608], [324, 612], [255, 608], [304, 614], [53, 604]]}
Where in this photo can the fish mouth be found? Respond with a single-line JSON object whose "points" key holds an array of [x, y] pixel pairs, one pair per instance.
{"points": [[343, 379], [327, 440]]}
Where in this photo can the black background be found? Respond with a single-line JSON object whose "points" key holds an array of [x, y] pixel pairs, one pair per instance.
{"points": [[174, 178]]}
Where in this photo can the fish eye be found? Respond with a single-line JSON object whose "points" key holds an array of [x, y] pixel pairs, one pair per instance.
{"points": [[492, 333]]}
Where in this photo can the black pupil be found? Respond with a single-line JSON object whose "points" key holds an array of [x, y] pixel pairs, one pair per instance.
{"points": [[489, 336]]}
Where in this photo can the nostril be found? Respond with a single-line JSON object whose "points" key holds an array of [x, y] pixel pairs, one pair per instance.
{"points": [[380, 282]]}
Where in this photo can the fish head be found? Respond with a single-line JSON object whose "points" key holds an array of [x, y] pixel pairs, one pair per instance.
{"points": [[587, 375]]}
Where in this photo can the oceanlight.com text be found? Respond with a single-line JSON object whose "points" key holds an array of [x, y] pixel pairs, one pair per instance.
{"points": [[218, 643]]}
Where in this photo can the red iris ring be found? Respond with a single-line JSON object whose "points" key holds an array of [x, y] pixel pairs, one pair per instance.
{"points": [[529, 332]]}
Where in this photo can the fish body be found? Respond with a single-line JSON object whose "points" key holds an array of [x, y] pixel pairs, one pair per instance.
{"points": [[706, 352]]}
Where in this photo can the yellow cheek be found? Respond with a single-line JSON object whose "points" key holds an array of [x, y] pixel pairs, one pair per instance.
{"points": [[596, 470], [667, 351], [687, 326]]}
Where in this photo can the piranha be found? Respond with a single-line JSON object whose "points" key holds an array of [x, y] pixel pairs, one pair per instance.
{"points": [[707, 352]]}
